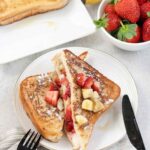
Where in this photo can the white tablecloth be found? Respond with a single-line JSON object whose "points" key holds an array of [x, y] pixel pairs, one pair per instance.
{"points": [[138, 63]]}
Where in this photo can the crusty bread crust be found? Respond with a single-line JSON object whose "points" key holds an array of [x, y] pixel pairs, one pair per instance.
{"points": [[14, 10], [111, 90], [49, 126]]}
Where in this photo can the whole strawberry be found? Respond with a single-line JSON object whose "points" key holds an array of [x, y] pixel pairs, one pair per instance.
{"points": [[145, 10], [109, 8], [146, 30], [110, 22], [129, 33], [141, 2], [128, 9]]}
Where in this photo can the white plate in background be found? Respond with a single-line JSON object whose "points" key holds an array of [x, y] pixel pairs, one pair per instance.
{"points": [[109, 129], [44, 31]]}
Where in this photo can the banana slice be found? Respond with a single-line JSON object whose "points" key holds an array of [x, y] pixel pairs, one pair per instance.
{"points": [[81, 120], [87, 105], [87, 93], [95, 96], [98, 106], [60, 104]]}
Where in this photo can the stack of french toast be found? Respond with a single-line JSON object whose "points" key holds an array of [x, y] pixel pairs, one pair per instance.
{"points": [[68, 100]]}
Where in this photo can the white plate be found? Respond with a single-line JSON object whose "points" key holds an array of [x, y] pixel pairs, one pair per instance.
{"points": [[40, 32], [110, 128]]}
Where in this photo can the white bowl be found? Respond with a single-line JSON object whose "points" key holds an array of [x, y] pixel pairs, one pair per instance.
{"points": [[116, 42]]}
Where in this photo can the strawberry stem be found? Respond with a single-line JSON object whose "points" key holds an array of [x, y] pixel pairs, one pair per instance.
{"points": [[113, 1], [122, 24]]}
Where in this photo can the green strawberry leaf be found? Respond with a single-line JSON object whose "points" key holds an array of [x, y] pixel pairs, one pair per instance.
{"points": [[102, 22], [112, 2], [127, 31], [148, 13]]}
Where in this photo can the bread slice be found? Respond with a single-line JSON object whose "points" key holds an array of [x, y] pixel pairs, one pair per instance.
{"points": [[85, 102], [47, 119], [14, 10]]}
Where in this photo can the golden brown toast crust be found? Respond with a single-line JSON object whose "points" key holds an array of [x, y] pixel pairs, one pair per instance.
{"points": [[47, 120], [110, 90], [14, 10]]}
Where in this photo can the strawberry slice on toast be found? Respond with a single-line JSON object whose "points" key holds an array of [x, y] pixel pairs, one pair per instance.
{"points": [[87, 94]]}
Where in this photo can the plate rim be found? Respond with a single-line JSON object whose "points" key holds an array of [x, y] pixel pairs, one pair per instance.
{"points": [[70, 48]]}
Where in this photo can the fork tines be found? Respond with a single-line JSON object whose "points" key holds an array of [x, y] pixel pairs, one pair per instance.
{"points": [[29, 141]]}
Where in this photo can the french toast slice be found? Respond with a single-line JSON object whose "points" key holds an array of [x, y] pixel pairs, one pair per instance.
{"points": [[14, 10], [40, 100], [86, 93], [40, 97]]}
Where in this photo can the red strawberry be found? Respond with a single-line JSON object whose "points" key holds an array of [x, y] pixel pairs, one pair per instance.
{"points": [[128, 9], [145, 10], [109, 21], [52, 86], [96, 86], [68, 114], [57, 81], [52, 97], [141, 2], [146, 30], [64, 81], [69, 126], [89, 82], [129, 33], [66, 92], [81, 79], [109, 8], [65, 88]]}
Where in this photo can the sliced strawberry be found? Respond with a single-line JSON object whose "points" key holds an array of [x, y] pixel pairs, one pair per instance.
{"points": [[52, 86], [52, 97], [89, 82], [57, 81], [68, 115], [66, 92], [64, 81], [69, 126], [65, 88], [96, 86], [81, 79], [48, 97]]}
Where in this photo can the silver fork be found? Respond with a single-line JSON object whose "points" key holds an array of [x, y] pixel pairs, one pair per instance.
{"points": [[30, 141]]}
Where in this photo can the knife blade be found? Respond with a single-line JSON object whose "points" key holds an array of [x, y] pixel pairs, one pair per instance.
{"points": [[131, 125]]}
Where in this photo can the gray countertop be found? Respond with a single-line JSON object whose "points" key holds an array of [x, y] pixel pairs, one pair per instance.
{"points": [[138, 64]]}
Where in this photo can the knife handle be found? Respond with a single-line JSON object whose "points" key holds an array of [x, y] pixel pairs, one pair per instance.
{"points": [[141, 147]]}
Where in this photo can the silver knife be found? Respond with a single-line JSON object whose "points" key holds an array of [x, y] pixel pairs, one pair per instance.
{"points": [[131, 125]]}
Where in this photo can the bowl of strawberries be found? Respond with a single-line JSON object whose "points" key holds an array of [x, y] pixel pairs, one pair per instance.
{"points": [[126, 23]]}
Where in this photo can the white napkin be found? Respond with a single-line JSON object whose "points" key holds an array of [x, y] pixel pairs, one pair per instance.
{"points": [[10, 140]]}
